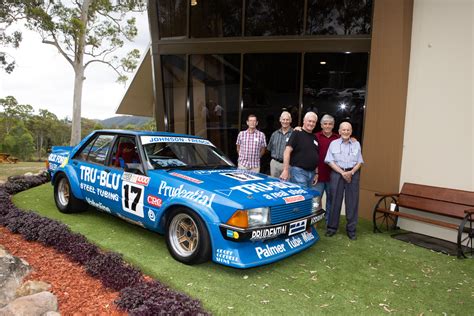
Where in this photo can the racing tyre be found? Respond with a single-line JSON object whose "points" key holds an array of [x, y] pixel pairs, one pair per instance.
{"points": [[187, 237], [64, 198]]}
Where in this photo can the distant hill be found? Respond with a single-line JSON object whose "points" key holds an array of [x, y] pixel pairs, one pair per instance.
{"points": [[122, 121]]}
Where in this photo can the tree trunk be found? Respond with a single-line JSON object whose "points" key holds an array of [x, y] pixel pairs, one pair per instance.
{"points": [[77, 101], [79, 77]]}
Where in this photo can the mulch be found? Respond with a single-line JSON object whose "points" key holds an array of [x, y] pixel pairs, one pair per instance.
{"points": [[77, 292]]}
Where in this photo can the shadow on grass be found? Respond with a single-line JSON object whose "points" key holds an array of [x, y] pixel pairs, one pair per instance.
{"points": [[373, 275]]}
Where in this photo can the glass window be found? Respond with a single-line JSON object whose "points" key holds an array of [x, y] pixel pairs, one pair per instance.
{"points": [[125, 152], [216, 18], [96, 151], [274, 17], [339, 17], [335, 84], [271, 84], [214, 87], [172, 18], [174, 82]]}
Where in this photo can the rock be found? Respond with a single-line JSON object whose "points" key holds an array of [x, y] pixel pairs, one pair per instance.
{"points": [[28, 174], [32, 287], [12, 272], [51, 313], [31, 305]]}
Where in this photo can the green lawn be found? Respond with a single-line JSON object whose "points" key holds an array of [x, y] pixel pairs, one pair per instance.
{"points": [[373, 275], [19, 168]]}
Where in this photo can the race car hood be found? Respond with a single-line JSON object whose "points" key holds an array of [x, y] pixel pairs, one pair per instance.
{"points": [[244, 186]]}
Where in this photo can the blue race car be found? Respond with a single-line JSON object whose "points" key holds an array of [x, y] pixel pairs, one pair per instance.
{"points": [[184, 187]]}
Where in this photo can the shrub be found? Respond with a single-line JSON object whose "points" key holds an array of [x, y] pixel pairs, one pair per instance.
{"points": [[153, 298], [136, 296], [113, 271]]}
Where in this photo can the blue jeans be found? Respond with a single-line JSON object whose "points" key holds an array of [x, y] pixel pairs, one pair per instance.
{"points": [[323, 187], [302, 177]]}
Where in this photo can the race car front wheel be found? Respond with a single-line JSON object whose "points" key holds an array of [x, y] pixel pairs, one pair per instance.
{"points": [[64, 198], [187, 237]]}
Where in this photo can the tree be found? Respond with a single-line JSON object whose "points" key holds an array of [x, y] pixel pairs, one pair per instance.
{"points": [[44, 126], [87, 32], [19, 142], [13, 112]]}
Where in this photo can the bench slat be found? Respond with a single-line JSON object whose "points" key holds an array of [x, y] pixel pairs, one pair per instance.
{"points": [[421, 219], [433, 206], [465, 198]]}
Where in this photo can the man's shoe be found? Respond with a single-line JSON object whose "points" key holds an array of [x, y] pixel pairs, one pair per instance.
{"points": [[329, 234], [352, 237]]}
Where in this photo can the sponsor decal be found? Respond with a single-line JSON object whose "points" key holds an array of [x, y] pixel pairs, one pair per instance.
{"points": [[297, 227], [64, 162], [232, 234], [132, 198], [106, 179], [98, 205], [307, 236], [294, 242], [275, 195], [291, 243], [269, 251], [226, 256], [293, 199], [55, 158], [168, 139], [316, 219], [269, 186], [209, 172], [185, 177], [154, 200], [268, 232], [198, 196], [151, 215], [241, 176], [136, 178]]}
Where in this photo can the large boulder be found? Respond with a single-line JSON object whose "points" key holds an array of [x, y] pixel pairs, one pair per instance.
{"points": [[32, 287], [12, 272], [31, 305]]}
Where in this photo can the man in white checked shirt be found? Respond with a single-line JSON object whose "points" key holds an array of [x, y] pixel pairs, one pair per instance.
{"points": [[251, 146]]}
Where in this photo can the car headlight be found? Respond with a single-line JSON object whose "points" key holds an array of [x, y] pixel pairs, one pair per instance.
{"points": [[254, 217], [316, 204]]}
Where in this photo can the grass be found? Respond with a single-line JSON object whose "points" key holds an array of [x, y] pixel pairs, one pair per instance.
{"points": [[19, 168], [373, 275]]}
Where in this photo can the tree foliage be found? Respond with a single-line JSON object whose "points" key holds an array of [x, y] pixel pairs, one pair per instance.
{"points": [[86, 32]]}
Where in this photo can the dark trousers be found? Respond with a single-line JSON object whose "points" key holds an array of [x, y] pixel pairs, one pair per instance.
{"points": [[339, 188]]}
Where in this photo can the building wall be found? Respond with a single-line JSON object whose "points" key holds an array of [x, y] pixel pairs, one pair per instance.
{"points": [[438, 145]]}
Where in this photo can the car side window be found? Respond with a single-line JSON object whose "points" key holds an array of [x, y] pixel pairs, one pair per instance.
{"points": [[96, 151], [125, 153]]}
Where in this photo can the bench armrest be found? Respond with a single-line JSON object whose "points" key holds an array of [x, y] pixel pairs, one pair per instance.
{"points": [[387, 194], [469, 211]]}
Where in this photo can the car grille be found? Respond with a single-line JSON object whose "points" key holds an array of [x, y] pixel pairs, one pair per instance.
{"points": [[288, 212]]}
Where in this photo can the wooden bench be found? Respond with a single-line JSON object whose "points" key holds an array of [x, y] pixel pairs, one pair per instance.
{"points": [[4, 157], [449, 203], [12, 159]]}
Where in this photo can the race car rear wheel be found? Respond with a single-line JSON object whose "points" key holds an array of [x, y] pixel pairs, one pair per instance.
{"points": [[65, 200], [187, 237]]}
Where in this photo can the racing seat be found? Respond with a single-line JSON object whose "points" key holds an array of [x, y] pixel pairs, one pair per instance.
{"points": [[126, 153]]}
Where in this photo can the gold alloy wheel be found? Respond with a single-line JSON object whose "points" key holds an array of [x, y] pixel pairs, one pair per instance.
{"points": [[184, 235], [63, 191]]}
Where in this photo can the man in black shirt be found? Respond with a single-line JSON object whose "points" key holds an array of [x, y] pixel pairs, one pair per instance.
{"points": [[301, 156]]}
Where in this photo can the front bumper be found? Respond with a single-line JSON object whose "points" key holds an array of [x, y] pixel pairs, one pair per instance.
{"points": [[286, 229]]}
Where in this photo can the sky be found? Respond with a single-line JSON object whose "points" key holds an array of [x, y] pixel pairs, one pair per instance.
{"points": [[45, 80]]}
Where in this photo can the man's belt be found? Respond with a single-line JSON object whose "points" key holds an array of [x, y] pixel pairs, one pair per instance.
{"points": [[279, 160]]}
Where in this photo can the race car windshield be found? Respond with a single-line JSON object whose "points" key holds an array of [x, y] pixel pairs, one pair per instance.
{"points": [[175, 155]]}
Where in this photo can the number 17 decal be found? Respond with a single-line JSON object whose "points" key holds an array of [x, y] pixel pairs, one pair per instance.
{"points": [[132, 198]]}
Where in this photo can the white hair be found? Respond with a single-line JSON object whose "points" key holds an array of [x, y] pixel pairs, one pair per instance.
{"points": [[285, 113], [327, 118], [308, 114]]}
